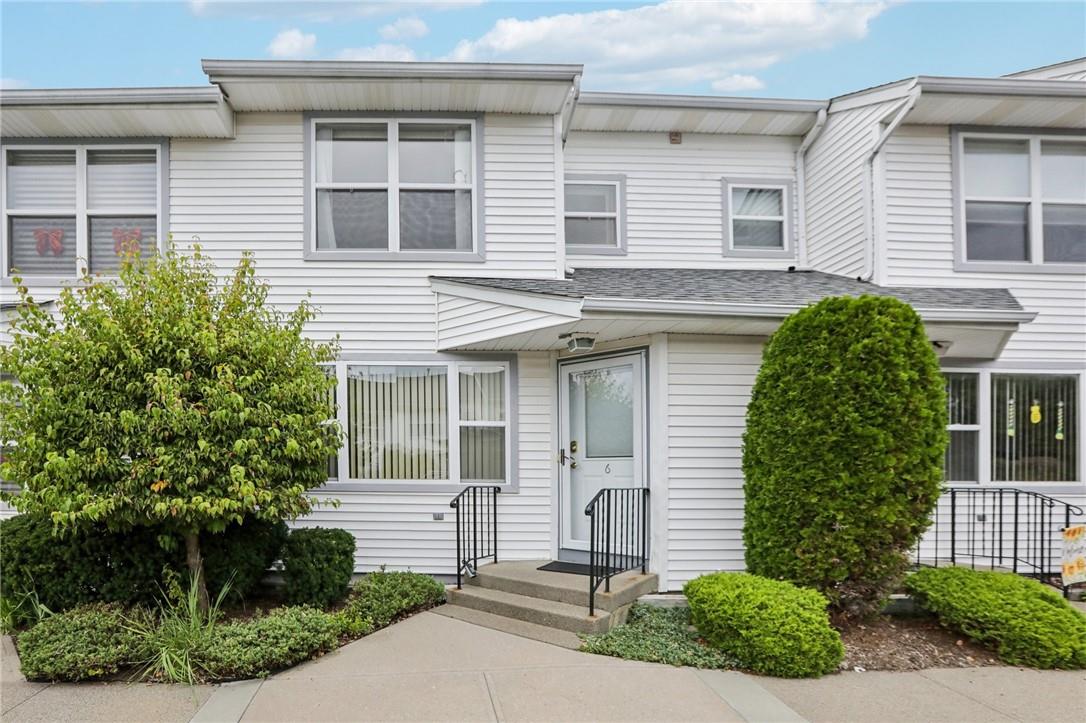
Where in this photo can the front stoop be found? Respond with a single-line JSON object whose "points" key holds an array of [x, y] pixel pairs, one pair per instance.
{"points": [[520, 591]]}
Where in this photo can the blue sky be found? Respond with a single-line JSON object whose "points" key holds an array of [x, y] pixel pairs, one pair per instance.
{"points": [[799, 49]]}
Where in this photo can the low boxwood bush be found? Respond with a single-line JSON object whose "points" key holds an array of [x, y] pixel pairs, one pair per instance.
{"points": [[1024, 621], [317, 566], [384, 597], [767, 626], [89, 641], [260, 646], [102, 566], [657, 635]]}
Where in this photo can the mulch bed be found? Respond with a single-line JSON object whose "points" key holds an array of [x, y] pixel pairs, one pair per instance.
{"points": [[909, 643]]}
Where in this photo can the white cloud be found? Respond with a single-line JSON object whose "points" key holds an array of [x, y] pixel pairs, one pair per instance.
{"points": [[12, 84], [404, 29], [381, 51], [292, 43], [675, 44]]}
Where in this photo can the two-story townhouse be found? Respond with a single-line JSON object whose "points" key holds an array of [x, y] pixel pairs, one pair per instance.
{"points": [[553, 292]]}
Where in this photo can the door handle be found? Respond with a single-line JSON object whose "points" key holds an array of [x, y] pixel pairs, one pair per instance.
{"points": [[562, 457]]}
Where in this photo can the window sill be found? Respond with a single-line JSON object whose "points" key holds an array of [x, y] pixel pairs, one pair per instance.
{"points": [[468, 257], [574, 250], [785, 253], [450, 488], [1018, 267]]}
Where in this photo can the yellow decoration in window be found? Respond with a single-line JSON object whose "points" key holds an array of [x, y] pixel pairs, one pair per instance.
{"points": [[1035, 412]]}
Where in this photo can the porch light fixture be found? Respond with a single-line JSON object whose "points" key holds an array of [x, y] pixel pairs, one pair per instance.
{"points": [[578, 342], [941, 347]]}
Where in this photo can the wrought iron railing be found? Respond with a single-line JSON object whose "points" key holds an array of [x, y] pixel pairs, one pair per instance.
{"points": [[476, 528], [618, 537], [999, 527]]}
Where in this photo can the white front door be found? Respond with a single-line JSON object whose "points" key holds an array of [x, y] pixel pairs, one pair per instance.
{"points": [[602, 438]]}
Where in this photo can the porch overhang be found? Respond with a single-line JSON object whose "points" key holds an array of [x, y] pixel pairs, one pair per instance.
{"points": [[520, 315]]}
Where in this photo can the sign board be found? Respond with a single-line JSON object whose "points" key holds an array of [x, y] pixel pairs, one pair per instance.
{"points": [[1074, 554]]}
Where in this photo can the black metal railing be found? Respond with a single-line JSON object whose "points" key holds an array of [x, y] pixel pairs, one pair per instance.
{"points": [[476, 527], [1011, 529], [618, 538]]}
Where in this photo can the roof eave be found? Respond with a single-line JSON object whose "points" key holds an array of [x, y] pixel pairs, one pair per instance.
{"points": [[218, 70], [700, 102], [198, 95]]}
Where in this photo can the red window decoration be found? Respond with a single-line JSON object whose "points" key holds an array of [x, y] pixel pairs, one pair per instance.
{"points": [[49, 240], [126, 240]]}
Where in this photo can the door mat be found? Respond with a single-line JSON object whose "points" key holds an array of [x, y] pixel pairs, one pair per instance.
{"points": [[573, 568]]}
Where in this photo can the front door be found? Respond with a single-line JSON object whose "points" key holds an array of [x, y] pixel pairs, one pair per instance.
{"points": [[602, 439]]}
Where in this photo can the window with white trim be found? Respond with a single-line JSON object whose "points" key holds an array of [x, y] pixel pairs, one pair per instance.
{"points": [[425, 422], [69, 208], [1013, 428], [593, 215], [1023, 198], [757, 217], [399, 185]]}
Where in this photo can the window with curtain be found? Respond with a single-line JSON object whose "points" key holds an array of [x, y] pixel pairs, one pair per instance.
{"points": [[427, 423], [70, 208], [1023, 198], [394, 186], [592, 220], [1035, 436], [756, 218]]}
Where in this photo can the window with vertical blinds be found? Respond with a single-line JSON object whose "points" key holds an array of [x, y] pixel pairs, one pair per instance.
{"points": [[443, 422], [962, 454], [1034, 428]]}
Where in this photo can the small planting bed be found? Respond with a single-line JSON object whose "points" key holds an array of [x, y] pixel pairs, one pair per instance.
{"points": [[909, 643]]}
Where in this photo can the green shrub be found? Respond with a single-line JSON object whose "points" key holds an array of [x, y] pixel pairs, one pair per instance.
{"points": [[90, 641], [100, 566], [843, 451], [384, 597], [260, 646], [1026, 622], [317, 566], [657, 635], [768, 626]]}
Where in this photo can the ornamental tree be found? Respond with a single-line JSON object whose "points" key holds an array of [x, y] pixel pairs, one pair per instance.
{"points": [[169, 398], [843, 450]]}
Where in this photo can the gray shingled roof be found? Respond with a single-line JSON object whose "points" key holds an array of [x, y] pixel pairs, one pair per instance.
{"points": [[740, 287]]}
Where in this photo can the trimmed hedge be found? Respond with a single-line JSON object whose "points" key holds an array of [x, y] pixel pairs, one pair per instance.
{"points": [[89, 641], [843, 450], [1026, 622], [767, 626], [317, 566], [384, 597], [125, 567]]}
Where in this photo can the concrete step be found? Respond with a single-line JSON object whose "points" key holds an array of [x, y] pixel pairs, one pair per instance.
{"points": [[549, 613], [523, 577], [561, 638]]}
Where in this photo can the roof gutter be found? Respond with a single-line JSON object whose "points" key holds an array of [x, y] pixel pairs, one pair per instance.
{"points": [[801, 183], [111, 96], [906, 106], [218, 70], [569, 106]]}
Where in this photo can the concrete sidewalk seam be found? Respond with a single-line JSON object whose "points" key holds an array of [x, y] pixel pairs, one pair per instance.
{"points": [[941, 684], [493, 701], [228, 702], [633, 664], [747, 698], [37, 692]]}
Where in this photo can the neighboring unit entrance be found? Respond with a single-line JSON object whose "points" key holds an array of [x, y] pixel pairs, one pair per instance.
{"points": [[602, 438]]}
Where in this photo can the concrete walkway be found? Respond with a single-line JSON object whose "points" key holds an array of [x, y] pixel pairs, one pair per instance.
{"points": [[434, 668]]}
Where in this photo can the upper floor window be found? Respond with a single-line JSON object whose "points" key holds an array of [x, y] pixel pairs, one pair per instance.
{"points": [[595, 219], [393, 186], [756, 217], [1022, 201], [69, 208]]}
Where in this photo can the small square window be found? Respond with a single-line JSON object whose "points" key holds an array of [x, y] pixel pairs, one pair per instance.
{"points": [[756, 219], [593, 223]]}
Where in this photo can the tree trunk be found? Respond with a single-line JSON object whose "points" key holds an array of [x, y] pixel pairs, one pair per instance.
{"points": [[196, 569]]}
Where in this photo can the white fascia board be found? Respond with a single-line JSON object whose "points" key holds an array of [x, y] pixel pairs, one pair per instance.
{"points": [[219, 70], [558, 305], [700, 102], [1004, 86], [210, 95]]}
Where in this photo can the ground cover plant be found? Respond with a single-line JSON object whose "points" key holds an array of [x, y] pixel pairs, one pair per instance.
{"points": [[658, 635], [767, 626], [170, 398], [843, 450], [1026, 622]]}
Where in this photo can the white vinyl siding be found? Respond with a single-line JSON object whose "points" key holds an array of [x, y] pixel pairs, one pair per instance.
{"points": [[919, 250], [674, 215], [710, 380]]}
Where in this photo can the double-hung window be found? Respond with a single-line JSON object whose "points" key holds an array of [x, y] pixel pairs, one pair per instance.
{"points": [[398, 186], [756, 218], [1022, 201], [69, 208], [1013, 428], [421, 424], [594, 214]]}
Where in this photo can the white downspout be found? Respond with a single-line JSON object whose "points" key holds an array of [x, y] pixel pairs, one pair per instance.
{"points": [[869, 178], [801, 185]]}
